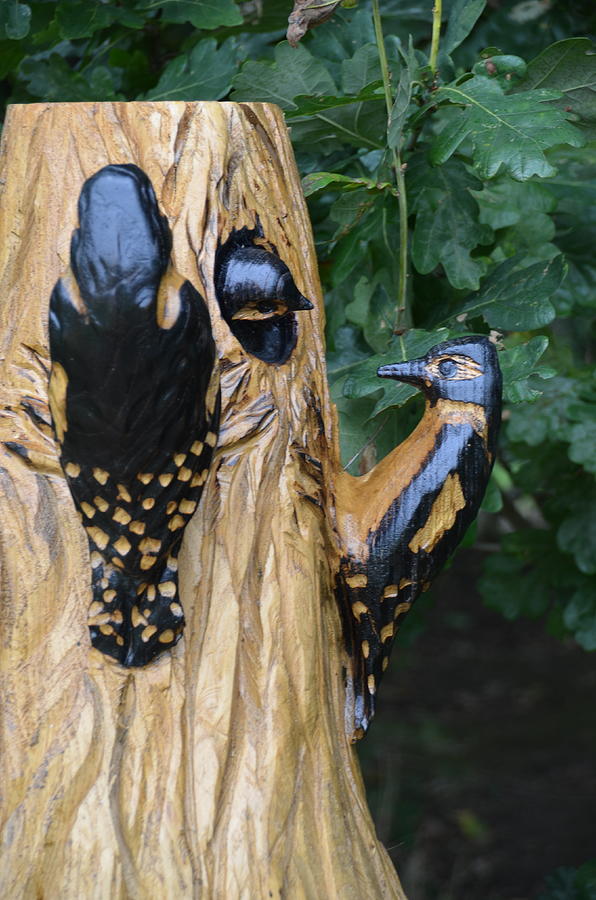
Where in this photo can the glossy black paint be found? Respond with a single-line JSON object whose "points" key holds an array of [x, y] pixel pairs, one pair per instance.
{"points": [[135, 404], [459, 455], [248, 275]]}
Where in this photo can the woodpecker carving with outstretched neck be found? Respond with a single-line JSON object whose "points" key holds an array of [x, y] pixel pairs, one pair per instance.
{"points": [[437, 478]]}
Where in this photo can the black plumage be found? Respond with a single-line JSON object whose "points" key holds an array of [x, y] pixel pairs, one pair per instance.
{"points": [[135, 403]]}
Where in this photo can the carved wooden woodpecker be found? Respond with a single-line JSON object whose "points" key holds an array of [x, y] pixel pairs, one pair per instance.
{"points": [[437, 478]]}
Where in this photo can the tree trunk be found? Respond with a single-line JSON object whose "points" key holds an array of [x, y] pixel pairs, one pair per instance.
{"points": [[223, 768]]}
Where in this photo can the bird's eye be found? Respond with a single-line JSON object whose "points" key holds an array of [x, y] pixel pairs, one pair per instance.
{"points": [[447, 368], [265, 306]]}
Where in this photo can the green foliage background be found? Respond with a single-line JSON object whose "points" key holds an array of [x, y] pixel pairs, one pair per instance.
{"points": [[453, 192]]}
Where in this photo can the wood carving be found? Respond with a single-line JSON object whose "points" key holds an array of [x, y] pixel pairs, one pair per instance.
{"points": [[220, 765]]}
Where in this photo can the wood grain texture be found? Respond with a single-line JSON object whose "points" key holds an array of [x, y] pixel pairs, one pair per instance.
{"points": [[223, 769]]}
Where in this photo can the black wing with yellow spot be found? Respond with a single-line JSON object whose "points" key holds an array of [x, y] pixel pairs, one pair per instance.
{"points": [[424, 524], [134, 394]]}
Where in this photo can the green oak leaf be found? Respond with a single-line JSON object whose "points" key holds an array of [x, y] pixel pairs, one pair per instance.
{"points": [[203, 74], [577, 535], [294, 72], [318, 181], [15, 19], [519, 364], [505, 202], [200, 13], [78, 20], [568, 66], [507, 131], [462, 17], [403, 96]]}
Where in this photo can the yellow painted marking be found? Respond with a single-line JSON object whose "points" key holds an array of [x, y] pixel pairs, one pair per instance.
{"points": [[101, 619], [371, 684], [120, 515], [88, 509], [123, 494], [150, 545], [175, 523], [136, 618], [119, 640], [117, 617], [188, 506], [211, 438], [168, 299], [404, 583], [148, 502], [165, 479], [109, 595], [167, 589], [57, 397], [400, 609], [96, 560], [365, 649], [99, 537], [145, 477], [442, 515], [390, 591], [197, 448], [141, 588], [425, 586], [146, 612], [385, 663], [122, 545], [151, 592], [106, 629], [148, 633], [137, 527], [184, 474], [101, 503], [104, 583], [147, 562], [387, 632], [199, 478], [95, 608], [212, 390], [166, 637], [117, 562], [100, 475], [172, 564], [172, 505], [357, 581], [176, 609], [179, 459], [73, 469], [358, 608]]}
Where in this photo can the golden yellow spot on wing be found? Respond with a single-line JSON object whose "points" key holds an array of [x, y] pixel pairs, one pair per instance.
{"points": [[385, 663], [146, 612], [117, 617], [199, 479], [96, 560], [171, 507], [122, 545], [168, 299], [167, 589], [57, 397], [101, 504], [172, 563], [100, 619], [184, 474], [145, 477], [358, 608], [175, 523], [197, 448], [136, 618], [147, 562], [150, 545], [400, 609], [176, 609], [95, 608], [211, 438], [148, 502], [106, 629], [120, 515], [109, 595], [141, 588], [100, 475], [179, 458], [99, 537], [212, 390], [357, 581], [117, 562], [441, 517], [119, 640], [88, 509], [371, 684], [188, 506], [365, 649], [151, 592], [72, 469], [390, 591], [166, 637], [165, 479], [123, 494], [137, 527], [387, 632], [404, 583], [148, 633], [104, 582]]}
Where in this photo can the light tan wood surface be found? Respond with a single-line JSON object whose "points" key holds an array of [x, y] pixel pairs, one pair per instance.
{"points": [[224, 769]]}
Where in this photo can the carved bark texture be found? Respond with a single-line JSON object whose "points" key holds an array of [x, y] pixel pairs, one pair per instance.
{"points": [[223, 768]]}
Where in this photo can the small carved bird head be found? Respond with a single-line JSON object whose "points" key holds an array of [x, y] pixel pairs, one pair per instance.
{"points": [[464, 370]]}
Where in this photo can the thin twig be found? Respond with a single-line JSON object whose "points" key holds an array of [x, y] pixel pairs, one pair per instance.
{"points": [[434, 44]]}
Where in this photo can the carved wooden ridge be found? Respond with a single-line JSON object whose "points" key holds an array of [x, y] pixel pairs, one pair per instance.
{"points": [[192, 645]]}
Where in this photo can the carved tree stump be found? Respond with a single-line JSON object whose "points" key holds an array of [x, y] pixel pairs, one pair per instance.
{"points": [[223, 768]]}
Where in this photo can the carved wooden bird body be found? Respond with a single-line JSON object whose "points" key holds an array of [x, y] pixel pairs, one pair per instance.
{"points": [[437, 478]]}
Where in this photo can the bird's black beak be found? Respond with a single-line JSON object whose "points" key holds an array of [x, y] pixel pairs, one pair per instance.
{"points": [[287, 290], [412, 372], [299, 302]]}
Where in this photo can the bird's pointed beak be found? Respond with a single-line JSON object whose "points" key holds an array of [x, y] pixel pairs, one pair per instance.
{"points": [[411, 372], [299, 302]]}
